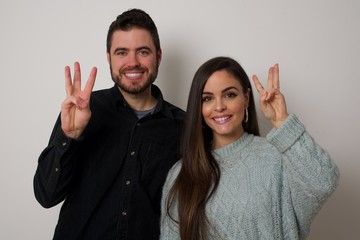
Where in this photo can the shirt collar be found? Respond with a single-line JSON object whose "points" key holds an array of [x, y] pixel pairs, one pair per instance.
{"points": [[161, 106]]}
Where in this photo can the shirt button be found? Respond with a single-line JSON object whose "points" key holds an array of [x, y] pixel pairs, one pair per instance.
{"points": [[124, 213], [64, 144], [138, 124], [127, 182], [132, 153], [56, 169]]}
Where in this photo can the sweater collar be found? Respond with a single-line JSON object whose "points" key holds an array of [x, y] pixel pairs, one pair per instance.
{"points": [[230, 149]]}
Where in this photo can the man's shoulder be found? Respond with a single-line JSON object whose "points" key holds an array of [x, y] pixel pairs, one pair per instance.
{"points": [[103, 96], [102, 92], [175, 110]]}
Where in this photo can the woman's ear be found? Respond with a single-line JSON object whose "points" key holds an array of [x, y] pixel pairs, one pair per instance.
{"points": [[247, 96]]}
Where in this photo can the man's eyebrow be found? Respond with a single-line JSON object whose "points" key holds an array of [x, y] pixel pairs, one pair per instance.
{"points": [[137, 49], [144, 48], [121, 49]]}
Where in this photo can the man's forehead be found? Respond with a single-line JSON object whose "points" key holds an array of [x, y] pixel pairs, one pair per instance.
{"points": [[132, 39]]}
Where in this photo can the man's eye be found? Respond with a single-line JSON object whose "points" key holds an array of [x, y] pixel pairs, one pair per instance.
{"points": [[120, 53], [143, 52]]}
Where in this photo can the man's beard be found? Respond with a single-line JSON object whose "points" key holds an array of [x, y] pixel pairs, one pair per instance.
{"points": [[133, 89]]}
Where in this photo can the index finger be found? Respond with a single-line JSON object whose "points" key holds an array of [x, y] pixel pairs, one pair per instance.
{"points": [[276, 81], [259, 87], [90, 82]]}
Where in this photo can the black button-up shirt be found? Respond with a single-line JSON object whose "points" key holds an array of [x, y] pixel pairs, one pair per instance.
{"points": [[111, 179]]}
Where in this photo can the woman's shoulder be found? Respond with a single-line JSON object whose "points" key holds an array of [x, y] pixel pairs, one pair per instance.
{"points": [[173, 172], [176, 167], [260, 150], [260, 144]]}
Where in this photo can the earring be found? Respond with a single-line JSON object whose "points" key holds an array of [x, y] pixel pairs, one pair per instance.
{"points": [[246, 115]]}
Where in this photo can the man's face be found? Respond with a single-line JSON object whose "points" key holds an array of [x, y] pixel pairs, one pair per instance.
{"points": [[133, 60]]}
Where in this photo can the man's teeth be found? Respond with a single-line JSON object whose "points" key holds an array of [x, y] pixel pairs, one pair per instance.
{"points": [[221, 119], [133, 74]]}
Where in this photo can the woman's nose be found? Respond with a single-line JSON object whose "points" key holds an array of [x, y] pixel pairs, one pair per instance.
{"points": [[220, 106]]}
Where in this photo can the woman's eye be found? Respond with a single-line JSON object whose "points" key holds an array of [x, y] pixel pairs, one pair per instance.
{"points": [[230, 95], [206, 99]]}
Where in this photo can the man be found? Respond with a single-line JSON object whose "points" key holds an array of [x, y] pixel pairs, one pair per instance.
{"points": [[110, 150]]}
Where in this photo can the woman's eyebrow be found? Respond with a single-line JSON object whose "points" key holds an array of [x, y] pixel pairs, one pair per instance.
{"points": [[224, 90]]}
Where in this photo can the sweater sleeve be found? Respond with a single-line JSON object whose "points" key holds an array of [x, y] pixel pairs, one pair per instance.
{"points": [[309, 174], [55, 167], [168, 227]]}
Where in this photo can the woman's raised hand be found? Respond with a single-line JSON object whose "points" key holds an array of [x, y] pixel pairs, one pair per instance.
{"points": [[272, 101], [75, 110]]}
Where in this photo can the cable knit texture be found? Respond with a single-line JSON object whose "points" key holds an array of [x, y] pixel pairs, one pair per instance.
{"points": [[270, 188]]}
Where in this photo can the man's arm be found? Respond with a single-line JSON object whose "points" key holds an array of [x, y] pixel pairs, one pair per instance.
{"points": [[55, 168], [57, 161]]}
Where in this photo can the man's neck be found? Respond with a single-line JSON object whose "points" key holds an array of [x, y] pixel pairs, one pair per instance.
{"points": [[141, 101]]}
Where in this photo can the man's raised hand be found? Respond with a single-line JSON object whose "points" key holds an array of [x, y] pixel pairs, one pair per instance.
{"points": [[75, 110]]}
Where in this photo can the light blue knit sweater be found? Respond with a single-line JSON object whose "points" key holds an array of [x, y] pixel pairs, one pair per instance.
{"points": [[270, 188]]}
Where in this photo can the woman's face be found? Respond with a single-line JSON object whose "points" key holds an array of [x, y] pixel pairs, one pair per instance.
{"points": [[223, 107]]}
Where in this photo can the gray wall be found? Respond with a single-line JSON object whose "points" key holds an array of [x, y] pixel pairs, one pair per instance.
{"points": [[316, 43]]}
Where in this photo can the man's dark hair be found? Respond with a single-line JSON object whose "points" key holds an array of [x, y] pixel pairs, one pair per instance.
{"points": [[133, 18]]}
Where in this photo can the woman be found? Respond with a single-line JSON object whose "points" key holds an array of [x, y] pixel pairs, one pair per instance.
{"points": [[233, 184]]}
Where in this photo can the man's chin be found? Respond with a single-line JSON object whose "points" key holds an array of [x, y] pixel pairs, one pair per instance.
{"points": [[133, 89]]}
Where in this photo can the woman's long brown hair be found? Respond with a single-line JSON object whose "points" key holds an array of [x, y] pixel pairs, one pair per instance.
{"points": [[199, 176]]}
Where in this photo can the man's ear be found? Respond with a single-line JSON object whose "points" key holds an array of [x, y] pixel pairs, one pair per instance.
{"points": [[108, 57], [159, 56]]}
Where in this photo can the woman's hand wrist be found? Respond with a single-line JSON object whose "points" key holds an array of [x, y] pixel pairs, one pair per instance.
{"points": [[277, 123]]}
